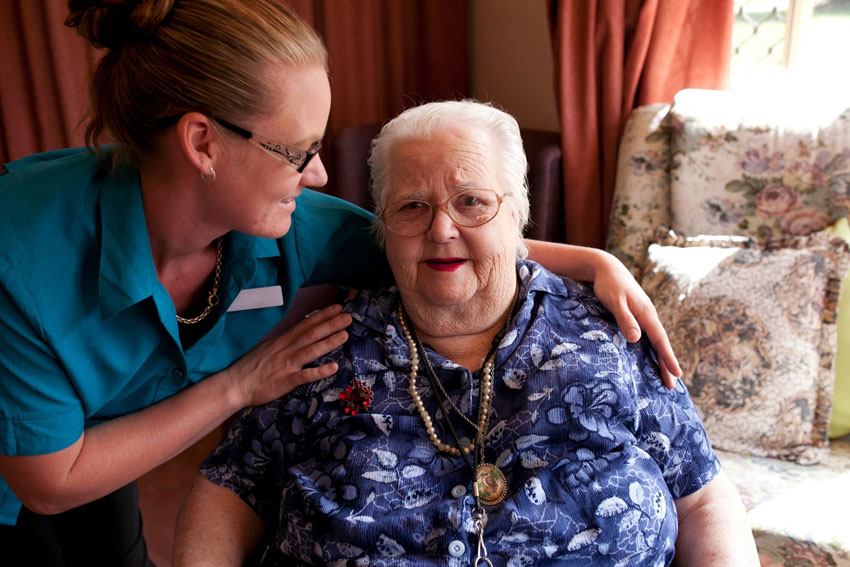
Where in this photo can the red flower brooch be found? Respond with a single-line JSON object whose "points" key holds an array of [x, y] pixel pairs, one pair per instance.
{"points": [[356, 397]]}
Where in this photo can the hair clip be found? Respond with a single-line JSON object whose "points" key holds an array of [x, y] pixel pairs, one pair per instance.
{"points": [[356, 398]]}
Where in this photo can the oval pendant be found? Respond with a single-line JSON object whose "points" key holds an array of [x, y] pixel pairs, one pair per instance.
{"points": [[492, 485]]}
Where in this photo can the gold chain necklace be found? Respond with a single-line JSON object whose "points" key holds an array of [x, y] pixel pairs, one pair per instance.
{"points": [[490, 484], [212, 298]]}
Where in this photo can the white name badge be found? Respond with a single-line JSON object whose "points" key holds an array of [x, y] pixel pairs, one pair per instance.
{"points": [[257, 298]]}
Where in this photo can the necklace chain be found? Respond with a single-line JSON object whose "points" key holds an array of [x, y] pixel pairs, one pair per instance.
{"points": [[484, 404], [486, 391], [446, 396], [212, 298]]}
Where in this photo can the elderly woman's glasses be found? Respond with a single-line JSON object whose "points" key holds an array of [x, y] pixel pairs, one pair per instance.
{"points": [[472, 207], [288, 155]]}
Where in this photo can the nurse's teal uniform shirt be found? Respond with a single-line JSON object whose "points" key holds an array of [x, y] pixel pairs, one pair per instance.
{"points": [[87, 332]]}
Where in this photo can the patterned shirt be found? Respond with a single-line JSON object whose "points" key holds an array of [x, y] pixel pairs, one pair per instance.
{"points": [[594, 448]]}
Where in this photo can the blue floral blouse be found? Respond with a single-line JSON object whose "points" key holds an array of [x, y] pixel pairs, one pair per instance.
{"points": [[594, 448]]}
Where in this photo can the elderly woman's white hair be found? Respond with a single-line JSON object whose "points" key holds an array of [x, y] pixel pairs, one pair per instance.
{"points": [[423, 121]]}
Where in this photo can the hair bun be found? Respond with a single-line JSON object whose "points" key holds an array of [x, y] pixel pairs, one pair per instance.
{"points": [[113, 23]]}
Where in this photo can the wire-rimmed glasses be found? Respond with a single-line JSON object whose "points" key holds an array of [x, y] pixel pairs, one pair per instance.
{"points": [[293, 157], [470, 208]]}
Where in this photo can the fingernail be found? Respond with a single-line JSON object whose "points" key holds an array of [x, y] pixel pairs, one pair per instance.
{"points": [[633, 335]]}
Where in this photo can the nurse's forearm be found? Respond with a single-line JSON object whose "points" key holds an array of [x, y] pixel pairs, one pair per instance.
{"points": [[113, 454], [575, 262]]}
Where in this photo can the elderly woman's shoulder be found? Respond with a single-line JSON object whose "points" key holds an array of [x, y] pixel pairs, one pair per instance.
{"points": [[372, 309], [568, 305], [535, 277]]}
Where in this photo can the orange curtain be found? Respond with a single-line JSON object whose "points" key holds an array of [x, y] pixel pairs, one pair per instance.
{"points": [[45, 66], [610, 57], [385, 55]]}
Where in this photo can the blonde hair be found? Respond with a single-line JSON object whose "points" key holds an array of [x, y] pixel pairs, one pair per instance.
{"points": [[169, 57]]}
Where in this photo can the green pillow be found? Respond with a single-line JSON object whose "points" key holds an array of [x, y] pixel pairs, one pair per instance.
{"points": [[839, 422]]}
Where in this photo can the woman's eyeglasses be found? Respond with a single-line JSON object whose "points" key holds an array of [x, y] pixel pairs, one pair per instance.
{"points": [[291, 156], [472, 207]]}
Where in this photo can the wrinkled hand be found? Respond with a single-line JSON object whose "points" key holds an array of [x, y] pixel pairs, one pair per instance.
{"points": [[618, 291], [275, 366]]}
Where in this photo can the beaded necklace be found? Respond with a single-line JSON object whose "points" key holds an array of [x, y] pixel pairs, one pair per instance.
{"points": [[416, 351], [490, 486]]}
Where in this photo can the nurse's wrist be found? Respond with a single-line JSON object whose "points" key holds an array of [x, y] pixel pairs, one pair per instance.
{"points": [[589, 263], [231, 390]]}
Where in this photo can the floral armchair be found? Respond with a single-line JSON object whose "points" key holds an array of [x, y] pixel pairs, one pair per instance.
{"points": [[727, 213]]}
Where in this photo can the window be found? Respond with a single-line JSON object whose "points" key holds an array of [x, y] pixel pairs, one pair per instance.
{"points": [[792, 42]]}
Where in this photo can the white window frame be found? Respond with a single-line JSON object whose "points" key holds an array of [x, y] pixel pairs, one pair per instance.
{"points": [[797, 24], [793, 68]]}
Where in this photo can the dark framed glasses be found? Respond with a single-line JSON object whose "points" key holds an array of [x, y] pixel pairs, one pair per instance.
{"points": [[471, 207], [289, 155]]}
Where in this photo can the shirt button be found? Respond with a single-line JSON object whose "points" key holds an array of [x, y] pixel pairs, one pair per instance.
{"points": [[456, 548], [458, 491], [178, 373]]}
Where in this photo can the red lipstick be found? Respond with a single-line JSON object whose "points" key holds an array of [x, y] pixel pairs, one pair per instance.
{"points": [[445, 264]]}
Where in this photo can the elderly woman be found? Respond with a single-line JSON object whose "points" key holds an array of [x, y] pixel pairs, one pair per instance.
{"points": [[485, 411]]}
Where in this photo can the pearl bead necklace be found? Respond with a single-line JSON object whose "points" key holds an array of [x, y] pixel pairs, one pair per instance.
{"points": [[486, 392]]}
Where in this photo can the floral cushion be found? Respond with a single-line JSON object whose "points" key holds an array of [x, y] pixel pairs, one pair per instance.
{"points": [[754, 327], [798, 513], [642, 192], [735, 171]]}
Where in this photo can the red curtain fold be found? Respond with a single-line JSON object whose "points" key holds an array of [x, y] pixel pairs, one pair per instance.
{"points": [[610, 57], [42, 92], [385, 55], [389, 55]]}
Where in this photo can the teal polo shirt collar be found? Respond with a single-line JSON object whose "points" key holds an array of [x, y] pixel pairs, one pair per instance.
{"points": [[243, 252], [127, 272]]}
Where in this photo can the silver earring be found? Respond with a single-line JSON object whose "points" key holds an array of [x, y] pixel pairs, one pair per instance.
{"points": [[209, 178]]}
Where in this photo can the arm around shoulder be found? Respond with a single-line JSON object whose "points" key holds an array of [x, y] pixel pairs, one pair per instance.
{"points": [[618, 291], [215, 528]]}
